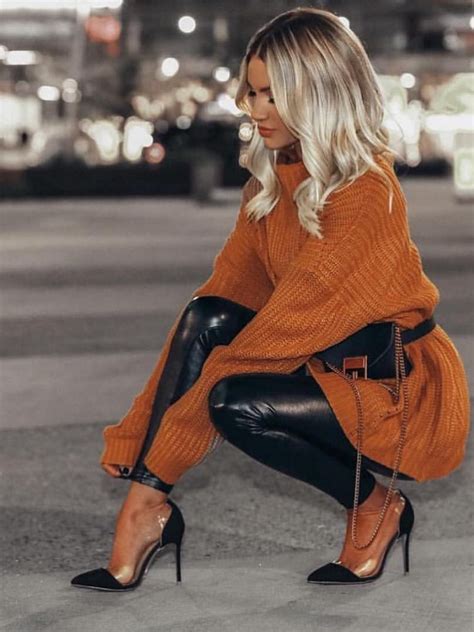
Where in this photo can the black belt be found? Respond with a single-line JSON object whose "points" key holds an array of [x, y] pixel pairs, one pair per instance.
{"points": [[409, 335], [370, 351]]}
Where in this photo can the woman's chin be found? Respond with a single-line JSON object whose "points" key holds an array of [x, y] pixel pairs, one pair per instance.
{"points": [[271, 142]]}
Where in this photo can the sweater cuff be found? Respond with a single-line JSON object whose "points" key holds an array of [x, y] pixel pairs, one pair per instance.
{"points": [[121, 450]]}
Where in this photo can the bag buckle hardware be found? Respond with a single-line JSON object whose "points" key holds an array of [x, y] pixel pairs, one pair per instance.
{"points": [[355, 366]]}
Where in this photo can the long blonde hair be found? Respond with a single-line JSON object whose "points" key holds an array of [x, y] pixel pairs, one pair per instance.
{"points": [[328, 96]]}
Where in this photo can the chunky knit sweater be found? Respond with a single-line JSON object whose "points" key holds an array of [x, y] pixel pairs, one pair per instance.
{"points": [[310, 294]]}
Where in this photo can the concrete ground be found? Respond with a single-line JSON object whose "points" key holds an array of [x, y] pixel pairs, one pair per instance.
{"points": [[88, 290]]}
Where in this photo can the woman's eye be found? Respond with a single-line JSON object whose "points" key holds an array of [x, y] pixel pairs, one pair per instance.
{"points": [[251, 93]]}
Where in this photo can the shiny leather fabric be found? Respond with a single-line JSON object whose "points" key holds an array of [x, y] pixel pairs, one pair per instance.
{"points": [[281, 420], [207, 321], [286, 422], [141, 474]]}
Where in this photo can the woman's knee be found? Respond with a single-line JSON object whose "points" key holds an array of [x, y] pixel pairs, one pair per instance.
{"points": [[201, 312], [214, 310], [233, 409], [208, 321]]}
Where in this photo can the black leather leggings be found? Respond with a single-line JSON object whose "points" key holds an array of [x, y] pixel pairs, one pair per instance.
{"points": [[281, 420]]}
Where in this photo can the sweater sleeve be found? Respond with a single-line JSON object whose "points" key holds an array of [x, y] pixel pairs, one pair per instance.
{"points": [[333, 287], [238, 270], [239, 275]]}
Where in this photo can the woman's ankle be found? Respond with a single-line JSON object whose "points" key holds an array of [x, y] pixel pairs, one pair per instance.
{"points": [[140, 495], [375, 499]]}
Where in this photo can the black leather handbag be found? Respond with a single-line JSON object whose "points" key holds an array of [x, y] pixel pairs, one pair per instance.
{"points": [[370, 352]]}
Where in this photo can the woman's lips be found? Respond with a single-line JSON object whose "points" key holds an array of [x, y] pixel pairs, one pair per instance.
{"points": [[265, 131]]}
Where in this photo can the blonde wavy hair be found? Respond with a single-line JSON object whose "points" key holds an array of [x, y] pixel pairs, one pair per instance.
{"points": [[328, 96]]}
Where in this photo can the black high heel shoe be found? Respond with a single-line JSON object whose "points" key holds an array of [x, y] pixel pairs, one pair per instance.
{"points": [[102, 579], [335, 573]]}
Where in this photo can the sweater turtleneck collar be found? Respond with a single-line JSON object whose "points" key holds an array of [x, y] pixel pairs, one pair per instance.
{"points": [[291, 174], [289, 162]]}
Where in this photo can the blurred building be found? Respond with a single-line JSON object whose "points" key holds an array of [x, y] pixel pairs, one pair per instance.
{"points": [[101, 83]]}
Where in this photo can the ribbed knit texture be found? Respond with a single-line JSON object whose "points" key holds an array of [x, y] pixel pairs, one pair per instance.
{"points": [[310, 294]]}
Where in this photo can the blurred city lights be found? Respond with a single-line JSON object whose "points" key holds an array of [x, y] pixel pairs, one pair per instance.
{"points": [[69, 84], [182, 94], [227, 103], [58, 5], [246, 132], [102, 28], [411, 122], [155, 153], [449, 122], [141, 105], [464, 168], [455, 95], [106, 137], [70, 93], [18, 112], [157, 108], [201, 94], [20, 58], [183, 122], [71, 96], [243, 159], [395, 94], [169, 66], [407, 80], [105, 4], [421, 128], [221, 73], [137, 135], [452, 41], [48, 93], [189, 109], [232, 86], [186, 24], [220, 29]]}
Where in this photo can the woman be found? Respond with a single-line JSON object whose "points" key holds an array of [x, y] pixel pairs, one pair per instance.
{"points": [[320, 249]]}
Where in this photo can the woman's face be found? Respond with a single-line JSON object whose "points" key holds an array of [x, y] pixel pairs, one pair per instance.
{"points": [[262, 107]]}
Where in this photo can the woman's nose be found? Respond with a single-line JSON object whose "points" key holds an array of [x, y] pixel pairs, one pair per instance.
{"points": [[259, 113], [259, 116]]}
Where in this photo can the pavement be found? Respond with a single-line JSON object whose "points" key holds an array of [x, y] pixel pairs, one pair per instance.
{"points": [[88, 291]]}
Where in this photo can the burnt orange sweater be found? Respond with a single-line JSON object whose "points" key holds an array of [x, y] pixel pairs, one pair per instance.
{"points": [[310, 294]]}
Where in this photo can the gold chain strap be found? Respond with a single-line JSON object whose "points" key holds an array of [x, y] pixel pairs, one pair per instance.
{"points": [[400, 366]]}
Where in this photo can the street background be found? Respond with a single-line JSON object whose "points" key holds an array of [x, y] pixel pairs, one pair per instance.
{"points": [[89, 290], [122, 160]]}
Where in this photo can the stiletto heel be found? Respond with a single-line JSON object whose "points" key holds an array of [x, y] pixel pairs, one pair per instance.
{"points": [[178, 562], [102, 579], [336, 573], [407, 519], [406, 564]]}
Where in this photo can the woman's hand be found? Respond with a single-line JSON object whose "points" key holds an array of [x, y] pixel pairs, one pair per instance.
{"points": [[111, 469]]}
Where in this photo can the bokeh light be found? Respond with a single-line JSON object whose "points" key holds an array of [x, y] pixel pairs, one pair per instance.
{"points": [[186, 24], [221, 73], [169, 66]]}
